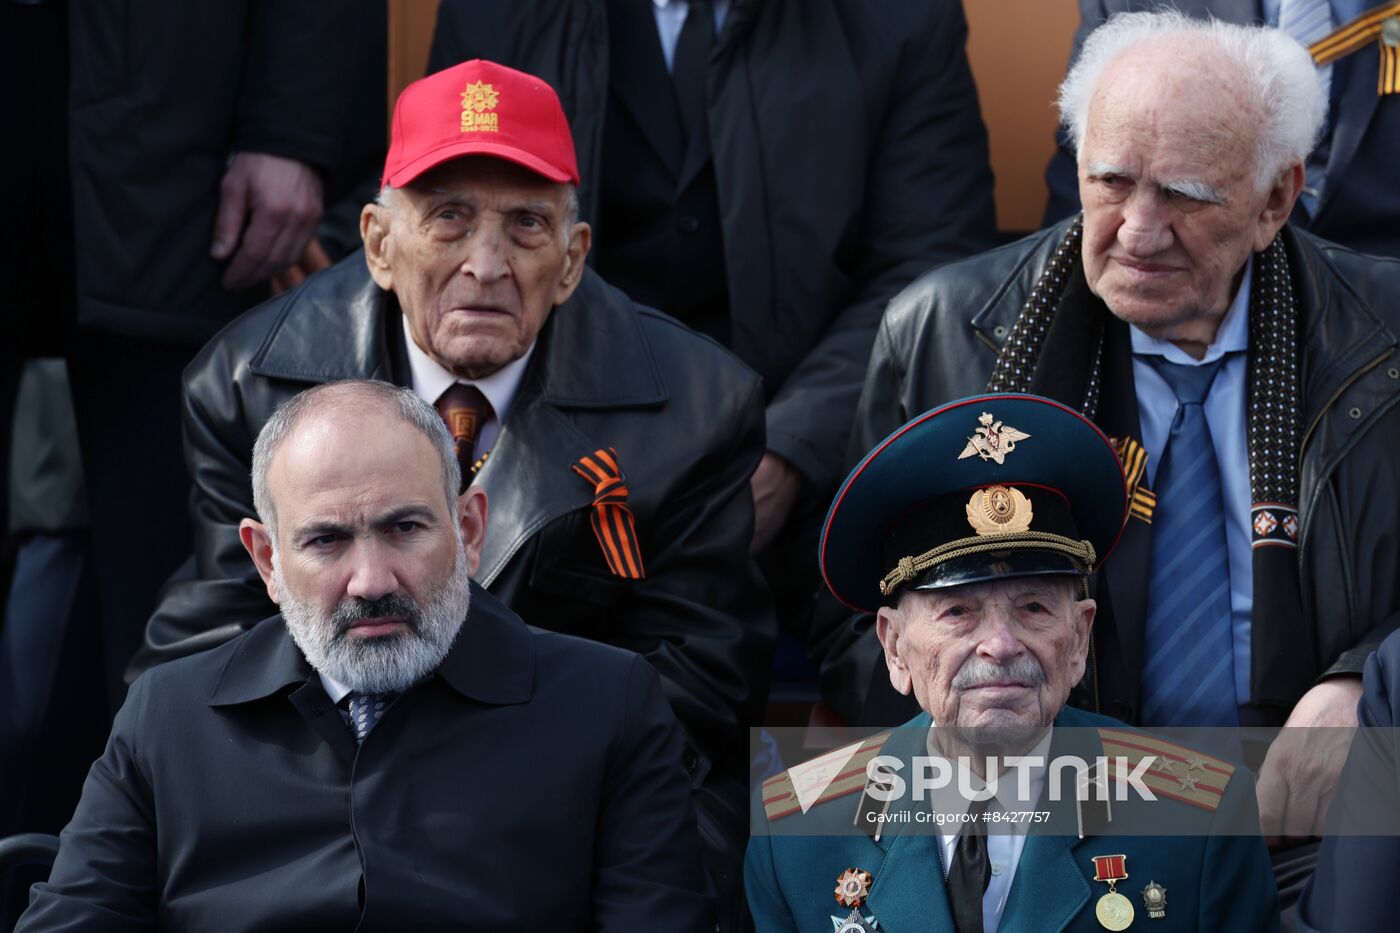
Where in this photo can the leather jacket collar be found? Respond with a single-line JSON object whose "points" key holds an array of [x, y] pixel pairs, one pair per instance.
{"points": [[338, 331], [1341, 335]]}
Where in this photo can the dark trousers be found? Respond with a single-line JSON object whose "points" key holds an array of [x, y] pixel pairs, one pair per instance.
{"points": [[126, 396], [36, 242]]}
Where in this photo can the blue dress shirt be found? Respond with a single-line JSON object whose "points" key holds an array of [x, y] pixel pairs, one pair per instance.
{"points": [[1225, 413], [670, 19], [1343, 11]]}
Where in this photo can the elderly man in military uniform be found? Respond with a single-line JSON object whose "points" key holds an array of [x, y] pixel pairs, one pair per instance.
{"points": [[970, 533]]}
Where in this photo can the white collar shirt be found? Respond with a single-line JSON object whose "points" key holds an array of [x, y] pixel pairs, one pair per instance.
{"points": [[336, 690], [430, 380], [1005, 840]]}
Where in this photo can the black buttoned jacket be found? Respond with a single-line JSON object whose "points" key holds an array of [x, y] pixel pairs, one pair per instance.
{"points": [[533, 782]]}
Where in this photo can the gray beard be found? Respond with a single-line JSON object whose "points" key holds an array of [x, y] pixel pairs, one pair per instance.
{"points": [[384, 664]]}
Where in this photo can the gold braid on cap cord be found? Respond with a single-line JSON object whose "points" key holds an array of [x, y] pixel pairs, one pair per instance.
{"points": [[910, 567]]}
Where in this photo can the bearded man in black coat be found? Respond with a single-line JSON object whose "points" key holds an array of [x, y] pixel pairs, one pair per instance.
{"points": [[394, 750]]}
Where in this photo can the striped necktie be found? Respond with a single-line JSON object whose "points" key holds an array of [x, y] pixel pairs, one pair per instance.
{"points": [[465, 411], [1189, 675]]}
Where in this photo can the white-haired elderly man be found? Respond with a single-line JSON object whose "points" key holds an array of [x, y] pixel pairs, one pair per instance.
{"points": [[1246, 371]]}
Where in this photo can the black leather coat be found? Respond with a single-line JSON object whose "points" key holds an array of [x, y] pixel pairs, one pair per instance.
{"points": [[685, 417], [939, 341]]}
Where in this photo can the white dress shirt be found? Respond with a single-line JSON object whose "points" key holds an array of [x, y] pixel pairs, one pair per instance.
{"points": [[430, 380], [336, 690]]}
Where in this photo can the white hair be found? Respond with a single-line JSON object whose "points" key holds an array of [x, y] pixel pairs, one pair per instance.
{"points": [[1281, 82]]}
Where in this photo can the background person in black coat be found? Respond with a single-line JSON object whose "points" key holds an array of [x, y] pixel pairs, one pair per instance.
{"points": [[138, 128], [485, 775], [202, 139]]}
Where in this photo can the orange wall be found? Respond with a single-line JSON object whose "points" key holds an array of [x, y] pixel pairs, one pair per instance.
{"points": [[410, 34], [1018, 50]]}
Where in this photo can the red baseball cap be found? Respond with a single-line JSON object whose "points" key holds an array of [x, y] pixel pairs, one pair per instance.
{"points": [[479, 108]]}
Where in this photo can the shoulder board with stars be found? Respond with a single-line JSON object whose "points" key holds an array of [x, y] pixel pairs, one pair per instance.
{"points": [[826, 777], [1179, 773]]}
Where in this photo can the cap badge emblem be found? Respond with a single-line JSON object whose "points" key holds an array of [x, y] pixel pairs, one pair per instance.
{"points": [[993, 440], [999, 510], [479, 101]]}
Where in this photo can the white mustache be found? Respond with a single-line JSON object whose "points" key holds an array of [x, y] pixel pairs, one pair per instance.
{"points": [[977, 671]]}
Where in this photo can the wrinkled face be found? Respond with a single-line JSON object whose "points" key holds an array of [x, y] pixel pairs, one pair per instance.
{"points": [[1167, 180], [371, 561], [477, 253], [997, 657]]}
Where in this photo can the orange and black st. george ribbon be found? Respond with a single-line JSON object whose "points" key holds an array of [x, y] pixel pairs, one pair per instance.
{"points": [[1360, 32], [1142, 501], [613, 523]]}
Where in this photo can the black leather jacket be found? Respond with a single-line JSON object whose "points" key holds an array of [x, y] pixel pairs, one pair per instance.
{"points": [[939, 340], [685, 417]]}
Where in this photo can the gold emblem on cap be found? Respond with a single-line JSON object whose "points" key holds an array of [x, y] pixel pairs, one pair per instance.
{"points": [[477, 100], [993, 440], [853, 886], [999, 510]]}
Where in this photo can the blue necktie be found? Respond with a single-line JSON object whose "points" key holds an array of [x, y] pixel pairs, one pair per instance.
{"points": [[1189, 677], [365, 710]]}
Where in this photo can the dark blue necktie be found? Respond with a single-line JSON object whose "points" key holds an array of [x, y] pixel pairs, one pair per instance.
{"points": [[1189, 677], [365, 710]]}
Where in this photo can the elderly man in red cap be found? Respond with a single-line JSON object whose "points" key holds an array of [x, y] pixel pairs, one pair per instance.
{"points": [[614, 445]]}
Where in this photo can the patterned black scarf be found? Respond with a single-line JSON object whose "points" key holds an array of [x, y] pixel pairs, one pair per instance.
{"points": [[1066, 345]]}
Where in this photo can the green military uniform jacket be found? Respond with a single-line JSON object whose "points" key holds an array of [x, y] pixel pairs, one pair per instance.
{"points": [[1214, 880]]}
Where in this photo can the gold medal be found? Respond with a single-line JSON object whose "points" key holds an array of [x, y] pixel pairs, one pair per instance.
{"points": [[1114, 911]]}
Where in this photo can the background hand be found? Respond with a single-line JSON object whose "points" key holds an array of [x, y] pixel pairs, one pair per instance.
{"points": [[1301, 770], [268, 210]]}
